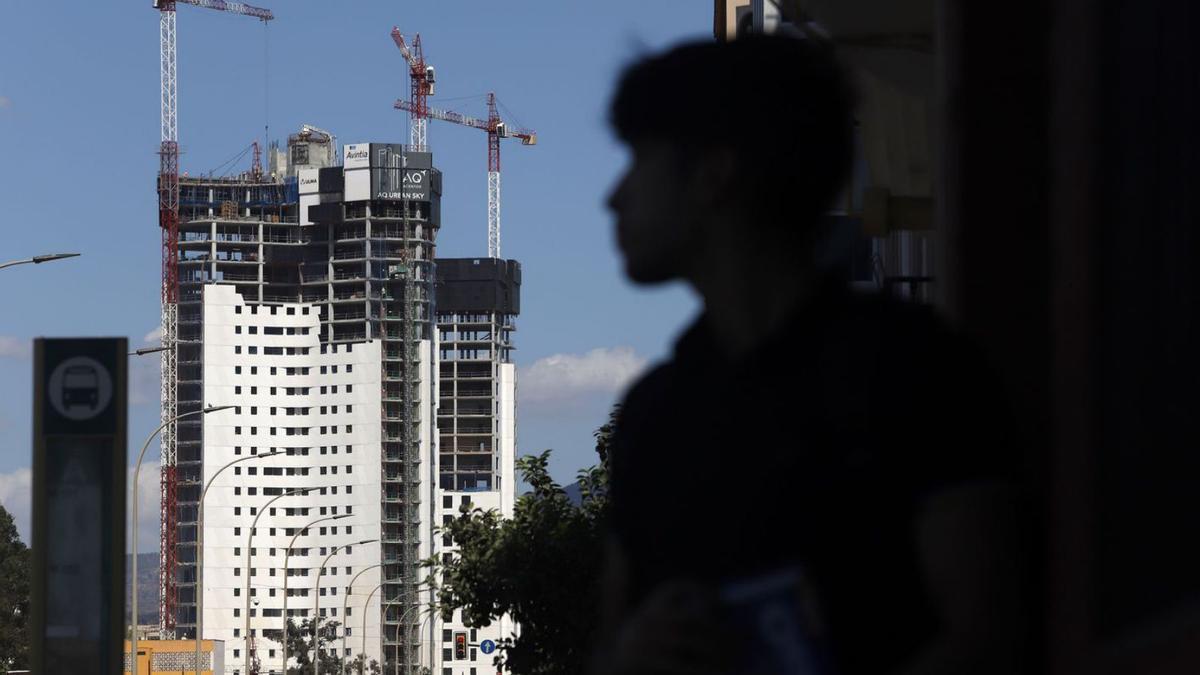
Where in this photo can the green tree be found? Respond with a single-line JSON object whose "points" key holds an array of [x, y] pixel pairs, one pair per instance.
{"points": [[356, 666], [542, 567], [300, 646], [14, 597]]}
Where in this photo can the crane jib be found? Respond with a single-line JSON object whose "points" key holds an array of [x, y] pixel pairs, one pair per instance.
{"points": [[233, 7]]}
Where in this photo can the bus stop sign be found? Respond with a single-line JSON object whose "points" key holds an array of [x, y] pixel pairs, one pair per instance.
{"points": [[79, 410]]}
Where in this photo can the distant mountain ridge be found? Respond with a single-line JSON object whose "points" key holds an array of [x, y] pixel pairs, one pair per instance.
{"points": [[147, 587]]}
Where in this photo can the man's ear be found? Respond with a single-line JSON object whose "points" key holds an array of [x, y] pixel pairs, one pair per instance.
{"points": [[714, 176]]}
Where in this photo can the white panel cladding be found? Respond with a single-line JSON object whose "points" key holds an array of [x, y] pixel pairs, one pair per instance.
{"points": [[323, 405], [307, 180], [448, 503], [507, 412], [307, 202], [358, 184]]}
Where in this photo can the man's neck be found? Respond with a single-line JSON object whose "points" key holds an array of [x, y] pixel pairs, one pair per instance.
{"points": [[749, 295]]}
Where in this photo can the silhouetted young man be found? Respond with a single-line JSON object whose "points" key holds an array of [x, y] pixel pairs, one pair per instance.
{"points": [[841, 457]]}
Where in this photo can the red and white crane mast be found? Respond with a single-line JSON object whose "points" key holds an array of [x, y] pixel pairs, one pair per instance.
{"points": [[496, 129], [168, 221], [421, 77]]}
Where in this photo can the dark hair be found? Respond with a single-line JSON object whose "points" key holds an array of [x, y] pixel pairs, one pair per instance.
{"points": [[782, 105]]}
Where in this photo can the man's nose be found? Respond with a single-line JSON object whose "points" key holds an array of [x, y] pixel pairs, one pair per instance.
{"points": [[615, 194]]}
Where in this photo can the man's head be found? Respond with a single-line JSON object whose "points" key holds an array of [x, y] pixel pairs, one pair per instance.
{"points": [[746, 139]]}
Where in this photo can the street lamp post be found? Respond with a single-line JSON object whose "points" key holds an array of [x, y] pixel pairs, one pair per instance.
{"points": [[366, 604], [200, 546], [250, 559], [400, 625], [317, 602], [345, 603], [421, 630], [137, 470], [38, 259], [142, 351], [287, 554]]}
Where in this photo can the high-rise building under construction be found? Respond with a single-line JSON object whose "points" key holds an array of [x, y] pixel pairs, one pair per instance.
{"points": [[378, 379]]}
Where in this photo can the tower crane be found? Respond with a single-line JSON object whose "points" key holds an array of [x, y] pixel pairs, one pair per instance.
{"points": [[496, 129], [168, 221], [421, 76]]}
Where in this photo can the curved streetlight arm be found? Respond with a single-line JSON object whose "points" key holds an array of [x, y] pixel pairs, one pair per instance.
{"points": [[400, 626], [366, 603], [249, 559], [137, 472], [200, 543], [317, 602], [364, 616], [38, 259], [345, 603], [421, 629], [142, 351], [287, 553]]}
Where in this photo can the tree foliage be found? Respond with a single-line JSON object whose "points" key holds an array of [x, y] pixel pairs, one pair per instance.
{"points": [[541, 567], [356, 666], [14, 596], [300, 648]]}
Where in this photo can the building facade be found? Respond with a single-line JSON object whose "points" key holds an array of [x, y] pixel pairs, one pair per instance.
{"points": [[477, 302], [306, 302]]}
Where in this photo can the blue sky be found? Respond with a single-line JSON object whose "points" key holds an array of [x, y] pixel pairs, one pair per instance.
{"points": [[79, 113]]}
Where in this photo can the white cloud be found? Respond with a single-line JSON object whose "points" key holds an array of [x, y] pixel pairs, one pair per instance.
{"points": [[569, 376], [148, 506], [153, 337], [144, 372], [15, 348], [15, 495]]}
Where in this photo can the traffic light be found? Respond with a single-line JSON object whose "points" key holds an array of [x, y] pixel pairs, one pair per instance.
{"points": [[460, 646]]}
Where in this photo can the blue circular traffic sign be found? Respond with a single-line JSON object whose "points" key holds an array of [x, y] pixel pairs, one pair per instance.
{"points": [[487, 646]]}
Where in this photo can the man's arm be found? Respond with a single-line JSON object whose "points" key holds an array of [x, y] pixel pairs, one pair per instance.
{"points": [[972, 546], [675, 631]]}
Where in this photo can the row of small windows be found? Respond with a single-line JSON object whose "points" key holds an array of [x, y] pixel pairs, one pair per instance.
{"points": [[273, 351], [288, 391], [292, 572], [268, 491], [237, 370], [296, 431], [332, 652], [278, 471], [273, 330], [297, 511], [293, 592], [291, 311], [303, 452], [291, 531], [325, 410]]}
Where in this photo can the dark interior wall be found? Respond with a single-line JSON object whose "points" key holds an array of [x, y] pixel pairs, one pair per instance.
{"points": [[1069, 166], [1149, 468]]}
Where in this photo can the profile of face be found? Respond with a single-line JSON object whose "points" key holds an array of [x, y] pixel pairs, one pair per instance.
{"points": [[657, 214]]}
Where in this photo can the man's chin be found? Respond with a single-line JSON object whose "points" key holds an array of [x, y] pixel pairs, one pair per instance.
{"points": [[648, 275]]}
